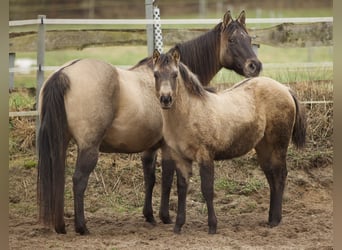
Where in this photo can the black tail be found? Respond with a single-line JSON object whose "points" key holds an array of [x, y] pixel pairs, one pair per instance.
{"points": [[299, 130], [52, 145]]}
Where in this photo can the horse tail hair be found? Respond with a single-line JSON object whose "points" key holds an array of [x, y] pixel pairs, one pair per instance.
{"points": [[52, 143], [300, 126]]}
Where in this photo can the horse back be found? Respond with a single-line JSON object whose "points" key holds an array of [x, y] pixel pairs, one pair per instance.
{"points": [[257, 109]]}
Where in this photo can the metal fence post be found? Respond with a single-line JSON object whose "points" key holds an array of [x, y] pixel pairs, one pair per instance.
{"points": [[255, 48], [40, 64], [11, 65], [158, 36], [149, 27]]}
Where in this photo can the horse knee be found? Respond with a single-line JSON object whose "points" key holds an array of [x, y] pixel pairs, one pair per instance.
{"points": [[148, 159]]}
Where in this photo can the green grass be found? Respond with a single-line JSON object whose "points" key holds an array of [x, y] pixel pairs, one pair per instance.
{"points": [[130, 55], [247, 187], [20, 101]]}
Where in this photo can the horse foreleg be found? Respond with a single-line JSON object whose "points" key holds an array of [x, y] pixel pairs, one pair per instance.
{"points": [[149, 166], [86, 162], [182, 187], [207, 187]]}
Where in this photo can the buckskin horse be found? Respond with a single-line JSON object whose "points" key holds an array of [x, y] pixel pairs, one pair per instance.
{"points": [[108, 109], [202, 126]]}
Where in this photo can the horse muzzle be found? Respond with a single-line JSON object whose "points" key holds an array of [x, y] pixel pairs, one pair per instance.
{"points": [[166, 101], [252, 68]]}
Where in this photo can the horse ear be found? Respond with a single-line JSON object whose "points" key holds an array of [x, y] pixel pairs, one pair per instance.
{"points": [[242, 18], [155, 56], [227, 19], [176, 55]]}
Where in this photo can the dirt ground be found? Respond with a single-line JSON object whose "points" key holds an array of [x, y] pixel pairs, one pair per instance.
{"points": [[114, 200]]}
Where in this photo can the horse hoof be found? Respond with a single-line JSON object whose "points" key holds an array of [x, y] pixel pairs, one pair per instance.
{"points": [[152, 221], [60, 230], [166, 220], [82, 231], [177, 229], [274, 222], [212, 230]]}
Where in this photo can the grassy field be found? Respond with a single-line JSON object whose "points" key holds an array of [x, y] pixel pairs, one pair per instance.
{"points": [[129, 55]]}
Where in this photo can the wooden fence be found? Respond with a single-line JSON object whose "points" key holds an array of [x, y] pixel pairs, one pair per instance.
{"points": [[291, 32], [287, 32]]}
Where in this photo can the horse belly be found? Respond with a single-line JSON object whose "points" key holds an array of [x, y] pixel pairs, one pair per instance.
{"points": [[137, 123], [233, 152], [241, 143], [131, 137]]}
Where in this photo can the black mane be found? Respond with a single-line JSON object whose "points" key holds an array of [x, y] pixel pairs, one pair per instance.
{"points": [[146, 61], [191, 81], [203, 61]]}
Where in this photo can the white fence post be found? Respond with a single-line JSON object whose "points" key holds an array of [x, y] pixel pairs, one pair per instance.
{"points": [[40, 64]]}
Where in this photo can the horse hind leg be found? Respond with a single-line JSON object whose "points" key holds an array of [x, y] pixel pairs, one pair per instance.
{"points": [[207, 187], [273, 164], [86, 162], [168, 171]]}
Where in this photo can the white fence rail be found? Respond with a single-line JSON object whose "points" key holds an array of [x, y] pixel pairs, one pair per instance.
{"points": [[41, 21], [167, 21], [307, 65]]}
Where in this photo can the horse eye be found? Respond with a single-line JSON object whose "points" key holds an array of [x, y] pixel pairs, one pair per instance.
{"points": [[174, 75], [231, 40]]}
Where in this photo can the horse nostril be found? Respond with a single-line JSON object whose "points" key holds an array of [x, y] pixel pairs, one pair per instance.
{"points": [[253, 68], [166, 99]]}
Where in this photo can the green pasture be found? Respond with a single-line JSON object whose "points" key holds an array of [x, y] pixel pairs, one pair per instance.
{"points": [[130, 55]]}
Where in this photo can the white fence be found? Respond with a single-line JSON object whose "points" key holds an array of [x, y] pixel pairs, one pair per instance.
{"points": [[41, 21], [167, 21]]}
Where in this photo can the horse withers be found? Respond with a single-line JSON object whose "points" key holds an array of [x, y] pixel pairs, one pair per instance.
{"points": [[108, 109], [202, 126]]}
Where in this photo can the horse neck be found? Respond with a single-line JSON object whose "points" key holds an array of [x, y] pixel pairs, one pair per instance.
{"points": [[183, 103], [201, 55]]}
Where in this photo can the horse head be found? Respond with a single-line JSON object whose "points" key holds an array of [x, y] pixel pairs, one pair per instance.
{"points": [[236, 52], [165, 69]]}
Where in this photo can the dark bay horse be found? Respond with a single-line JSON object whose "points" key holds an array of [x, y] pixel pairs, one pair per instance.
{"points": [[202, 126], [108, 109]]}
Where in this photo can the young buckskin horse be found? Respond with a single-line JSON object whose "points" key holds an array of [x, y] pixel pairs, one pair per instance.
{"points": [[202, 126], [107, 109]]}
